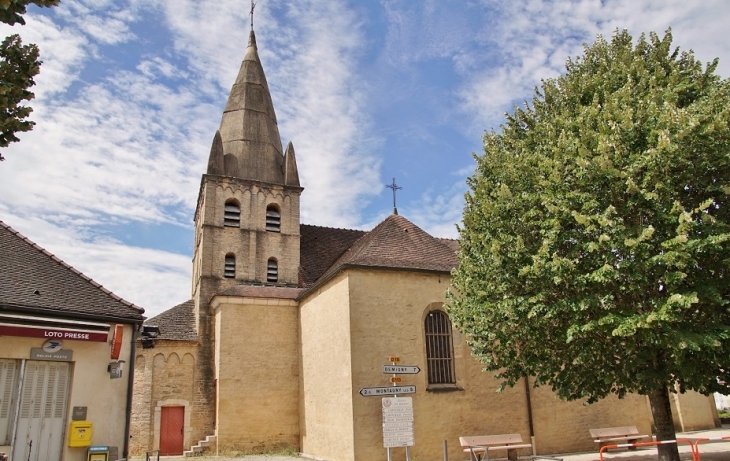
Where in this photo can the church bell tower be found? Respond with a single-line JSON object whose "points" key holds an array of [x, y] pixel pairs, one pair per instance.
{"points": [[247, 217]]}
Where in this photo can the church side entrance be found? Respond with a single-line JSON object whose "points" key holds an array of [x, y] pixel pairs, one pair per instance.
{"points": [[172, 423]]}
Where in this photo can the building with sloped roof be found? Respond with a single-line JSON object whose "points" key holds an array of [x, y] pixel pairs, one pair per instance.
{"points": [[290, 328], [64, 343]]}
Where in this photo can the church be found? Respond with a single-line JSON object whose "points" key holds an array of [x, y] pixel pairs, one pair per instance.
{"points": [[285, 342]]}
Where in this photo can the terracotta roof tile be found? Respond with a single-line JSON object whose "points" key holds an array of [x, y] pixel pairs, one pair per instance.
{"points": [[451, 243], [33, 278], [399, 244], [176, 323], [320, 248]]}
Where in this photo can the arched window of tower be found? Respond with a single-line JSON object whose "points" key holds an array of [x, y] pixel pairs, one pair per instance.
{"points": [[229, 270], [232, 214], [273, 218], [272, 271]]}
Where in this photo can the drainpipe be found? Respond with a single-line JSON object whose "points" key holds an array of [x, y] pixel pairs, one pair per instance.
{"points": [[130, 383], [529, 415]]}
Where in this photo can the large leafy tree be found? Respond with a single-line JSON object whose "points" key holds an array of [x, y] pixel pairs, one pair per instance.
{"points": [[18, 65], [595, 245]]}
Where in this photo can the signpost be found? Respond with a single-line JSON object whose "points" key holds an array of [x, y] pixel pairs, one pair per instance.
{"points": [[397, 411]]}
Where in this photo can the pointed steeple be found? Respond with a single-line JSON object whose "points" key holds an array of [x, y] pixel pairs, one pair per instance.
{"points": [[249, 132], [215, 160], [291, 173]]}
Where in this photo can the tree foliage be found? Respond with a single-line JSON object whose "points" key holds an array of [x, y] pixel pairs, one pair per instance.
{"points": [[595, 244], [12, 11], [18, 65]]}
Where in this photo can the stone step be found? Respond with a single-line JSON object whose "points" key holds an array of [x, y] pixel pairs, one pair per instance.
{"points": [[200, 446]]}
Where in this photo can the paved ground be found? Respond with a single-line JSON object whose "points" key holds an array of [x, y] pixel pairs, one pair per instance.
{"points": [[709, 451]]}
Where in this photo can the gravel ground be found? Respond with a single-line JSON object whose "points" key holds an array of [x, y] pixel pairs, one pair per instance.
{"points": [[716, 451]]}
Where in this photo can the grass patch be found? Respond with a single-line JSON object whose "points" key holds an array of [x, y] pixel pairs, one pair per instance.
{"points": [[723, 413]]}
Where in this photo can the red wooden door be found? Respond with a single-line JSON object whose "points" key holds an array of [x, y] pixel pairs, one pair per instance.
{"points": [[172, 422]]}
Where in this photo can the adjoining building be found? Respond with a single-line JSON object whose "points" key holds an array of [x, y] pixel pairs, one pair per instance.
{"points": [[66, 352], [290, 326]]}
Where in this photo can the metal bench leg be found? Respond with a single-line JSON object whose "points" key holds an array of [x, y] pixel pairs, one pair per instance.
{"points": [[512, 455]]}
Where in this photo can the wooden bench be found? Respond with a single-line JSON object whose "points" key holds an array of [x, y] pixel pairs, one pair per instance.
{"points": [[479, 446], [612, 435]]}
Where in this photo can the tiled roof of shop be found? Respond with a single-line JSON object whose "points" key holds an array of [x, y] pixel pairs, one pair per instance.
{"points": [[176, 323], [33, 278]]}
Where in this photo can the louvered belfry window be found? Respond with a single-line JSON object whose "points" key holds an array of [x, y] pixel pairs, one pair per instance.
{"points": [[272, 271], [273, 219], [229, 270], [232, 214], [439, 348]]}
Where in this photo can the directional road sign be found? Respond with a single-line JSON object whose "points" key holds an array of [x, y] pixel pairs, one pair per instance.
{"points": [[369, 391], [401, 369]]}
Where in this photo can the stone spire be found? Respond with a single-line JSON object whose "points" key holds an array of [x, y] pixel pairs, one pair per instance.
{"points": [[291, 173], [249, 132], [215, 160]]}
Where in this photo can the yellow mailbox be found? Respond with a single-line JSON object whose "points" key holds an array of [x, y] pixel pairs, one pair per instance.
{"points": [[79, 434]]}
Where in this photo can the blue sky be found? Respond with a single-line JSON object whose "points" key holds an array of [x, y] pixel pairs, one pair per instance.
{"points": [[131, 92]]}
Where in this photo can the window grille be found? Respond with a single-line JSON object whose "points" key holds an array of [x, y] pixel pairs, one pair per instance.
{"points": [[272, 271], [232, 215], [273, 219], [229, 271], [439, 348]]}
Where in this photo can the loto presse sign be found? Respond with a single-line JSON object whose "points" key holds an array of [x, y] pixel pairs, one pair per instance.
{"points": [[52, 333]]}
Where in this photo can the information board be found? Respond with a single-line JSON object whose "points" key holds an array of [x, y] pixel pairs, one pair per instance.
{"points": [[398, 422]]}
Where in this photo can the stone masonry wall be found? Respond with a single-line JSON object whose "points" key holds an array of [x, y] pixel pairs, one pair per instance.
{"points": [[164, 375], [327, 393], [257, 342]]}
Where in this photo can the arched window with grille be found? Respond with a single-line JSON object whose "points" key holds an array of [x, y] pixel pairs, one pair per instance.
{"points": [[273, 219], [272, 271], [232, 214], [439, 348], [229, 268]]}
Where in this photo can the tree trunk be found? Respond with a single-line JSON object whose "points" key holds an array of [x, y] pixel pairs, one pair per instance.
{"points": [[661, 409]]}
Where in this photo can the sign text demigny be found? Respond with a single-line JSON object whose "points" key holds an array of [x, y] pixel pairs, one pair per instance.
{"points": [[398, 422]]}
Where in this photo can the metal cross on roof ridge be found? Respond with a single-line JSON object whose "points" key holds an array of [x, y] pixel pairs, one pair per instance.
{"points": [[395, 188]]}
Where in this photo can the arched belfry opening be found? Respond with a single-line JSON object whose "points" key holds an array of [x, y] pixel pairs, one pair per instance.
{"points": [[273, 218]]}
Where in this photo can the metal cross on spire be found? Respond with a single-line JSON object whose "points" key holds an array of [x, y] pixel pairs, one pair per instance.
{"points": [[253, 5], [395, 188]]}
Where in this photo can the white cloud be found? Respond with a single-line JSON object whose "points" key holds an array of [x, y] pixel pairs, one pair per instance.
{"points": [[425, 30], [103, 21], [129, 145], [437, 212], [535, 38]]}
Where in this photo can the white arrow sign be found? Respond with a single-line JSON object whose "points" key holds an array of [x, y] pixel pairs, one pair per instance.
{"points": [[368, 391], [401, 370]]}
